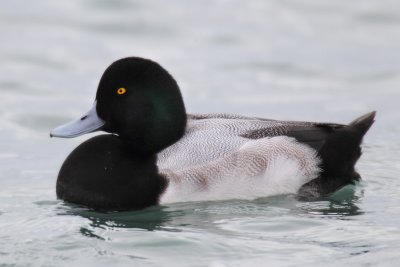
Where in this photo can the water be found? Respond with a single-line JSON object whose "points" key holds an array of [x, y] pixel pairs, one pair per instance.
{"points": [[284, 59]]}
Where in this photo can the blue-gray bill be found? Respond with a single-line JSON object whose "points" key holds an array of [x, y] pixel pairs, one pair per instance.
{"points": [[90, 122]]}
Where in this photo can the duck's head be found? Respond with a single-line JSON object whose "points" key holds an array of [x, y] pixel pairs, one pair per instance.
{"points": [[139, 101]]}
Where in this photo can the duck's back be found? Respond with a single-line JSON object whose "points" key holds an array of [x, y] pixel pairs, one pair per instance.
{"points": [[210, 137]]}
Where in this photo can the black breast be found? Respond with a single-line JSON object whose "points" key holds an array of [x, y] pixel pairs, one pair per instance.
{"points": [[103, 173]]}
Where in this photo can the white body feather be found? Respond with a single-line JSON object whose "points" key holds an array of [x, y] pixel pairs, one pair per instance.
{"points": [[213, 162]]}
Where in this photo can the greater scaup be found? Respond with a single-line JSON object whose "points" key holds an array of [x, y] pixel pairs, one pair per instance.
{"points": [[156, 153]]}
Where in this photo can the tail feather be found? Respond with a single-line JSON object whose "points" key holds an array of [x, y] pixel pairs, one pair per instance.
{"points": [[338, 155], [364, 122]]}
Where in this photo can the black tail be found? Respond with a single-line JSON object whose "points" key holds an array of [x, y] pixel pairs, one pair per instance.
{"points": [[363, 123], [339, 154]]}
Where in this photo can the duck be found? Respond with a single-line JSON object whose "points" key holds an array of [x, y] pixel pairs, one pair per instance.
{"points": [[154, 153]]}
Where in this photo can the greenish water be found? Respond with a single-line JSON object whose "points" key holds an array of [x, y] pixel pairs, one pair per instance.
{"points": [[299, 60]]}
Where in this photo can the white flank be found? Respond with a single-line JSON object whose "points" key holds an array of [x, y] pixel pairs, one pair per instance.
{"points": [[260, 168]]}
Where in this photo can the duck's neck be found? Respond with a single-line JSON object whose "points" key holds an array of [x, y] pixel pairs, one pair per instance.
{"points": [[151, 134], [104, 173]]}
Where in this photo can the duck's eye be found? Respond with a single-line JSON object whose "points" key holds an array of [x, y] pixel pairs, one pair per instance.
{"points": [[121, 91]]}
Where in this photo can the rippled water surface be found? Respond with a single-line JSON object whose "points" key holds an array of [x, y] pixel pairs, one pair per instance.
{"points": [[284, 59]]}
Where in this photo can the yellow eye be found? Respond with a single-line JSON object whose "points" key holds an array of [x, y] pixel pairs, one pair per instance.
{"points": [[121, 91]]}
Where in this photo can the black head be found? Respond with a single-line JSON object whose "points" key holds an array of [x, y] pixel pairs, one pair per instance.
{"points": [[141, 102]]}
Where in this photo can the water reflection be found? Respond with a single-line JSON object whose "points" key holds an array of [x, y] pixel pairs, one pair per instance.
{"points": [[150, 219], [204, 215], [342, 203]]}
